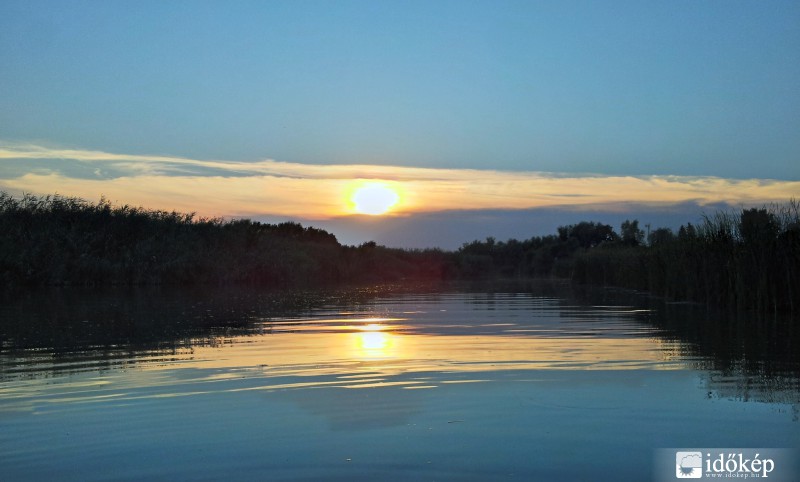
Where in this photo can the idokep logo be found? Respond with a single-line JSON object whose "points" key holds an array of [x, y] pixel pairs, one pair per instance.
{"points": [[772, 464], [689, 465]]}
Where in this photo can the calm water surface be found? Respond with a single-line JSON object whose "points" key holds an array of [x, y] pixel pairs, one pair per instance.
{"points": [[533, 382]]}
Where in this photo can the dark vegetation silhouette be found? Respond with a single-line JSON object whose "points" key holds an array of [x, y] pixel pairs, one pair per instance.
{"points": [[747, 260], [56, 240]]}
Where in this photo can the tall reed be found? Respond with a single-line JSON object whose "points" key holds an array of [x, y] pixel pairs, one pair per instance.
{"points": [[57, 240], [745, 260]]}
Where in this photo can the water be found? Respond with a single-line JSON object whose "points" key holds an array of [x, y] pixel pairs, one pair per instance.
{"points": [[525, 382]]}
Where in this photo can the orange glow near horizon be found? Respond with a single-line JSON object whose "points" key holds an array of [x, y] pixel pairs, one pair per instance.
{"points": [[319, 192]]}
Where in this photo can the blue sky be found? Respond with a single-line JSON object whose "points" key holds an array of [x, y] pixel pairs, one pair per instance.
{"points": [[618, 88]]}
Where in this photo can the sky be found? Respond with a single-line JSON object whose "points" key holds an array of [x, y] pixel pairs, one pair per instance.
{"points": [[495, 118]]}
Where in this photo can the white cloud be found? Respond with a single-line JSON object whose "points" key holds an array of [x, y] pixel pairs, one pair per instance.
{"points": [[268, 187]]}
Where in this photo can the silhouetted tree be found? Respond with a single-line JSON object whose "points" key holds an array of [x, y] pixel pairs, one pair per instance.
{"points": [[758, 226], [631, 234], [687, 232], [588, 234], [660, 236]]}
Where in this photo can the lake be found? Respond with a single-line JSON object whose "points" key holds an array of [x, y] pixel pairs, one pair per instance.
{"points": [[518, 381]]}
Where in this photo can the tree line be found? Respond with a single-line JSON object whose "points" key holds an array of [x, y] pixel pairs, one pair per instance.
{"points": [[745, 260], [748, 259], [57, 240]]}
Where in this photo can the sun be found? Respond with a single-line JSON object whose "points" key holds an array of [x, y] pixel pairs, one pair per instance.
{"points": [[374, 199]]}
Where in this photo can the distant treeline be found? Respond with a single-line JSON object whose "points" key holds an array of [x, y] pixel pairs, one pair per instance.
{"points": [[56, 240], [745, 260]]}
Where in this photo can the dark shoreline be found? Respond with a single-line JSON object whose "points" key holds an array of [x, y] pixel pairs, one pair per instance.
{"points": [[743, 261]]}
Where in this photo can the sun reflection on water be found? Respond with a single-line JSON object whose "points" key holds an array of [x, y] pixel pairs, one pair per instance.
{"points": [[355, 350], [374, 341]]}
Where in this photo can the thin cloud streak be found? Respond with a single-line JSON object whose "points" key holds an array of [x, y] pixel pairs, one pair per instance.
{"points": [[268, 187]]}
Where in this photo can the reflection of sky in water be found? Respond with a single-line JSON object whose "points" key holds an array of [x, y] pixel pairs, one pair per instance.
{"points": [[352, 353], [450, 386], [411, 342]]}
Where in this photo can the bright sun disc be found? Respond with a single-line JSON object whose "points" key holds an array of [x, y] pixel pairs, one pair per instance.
{"points": [[374, 199]]}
